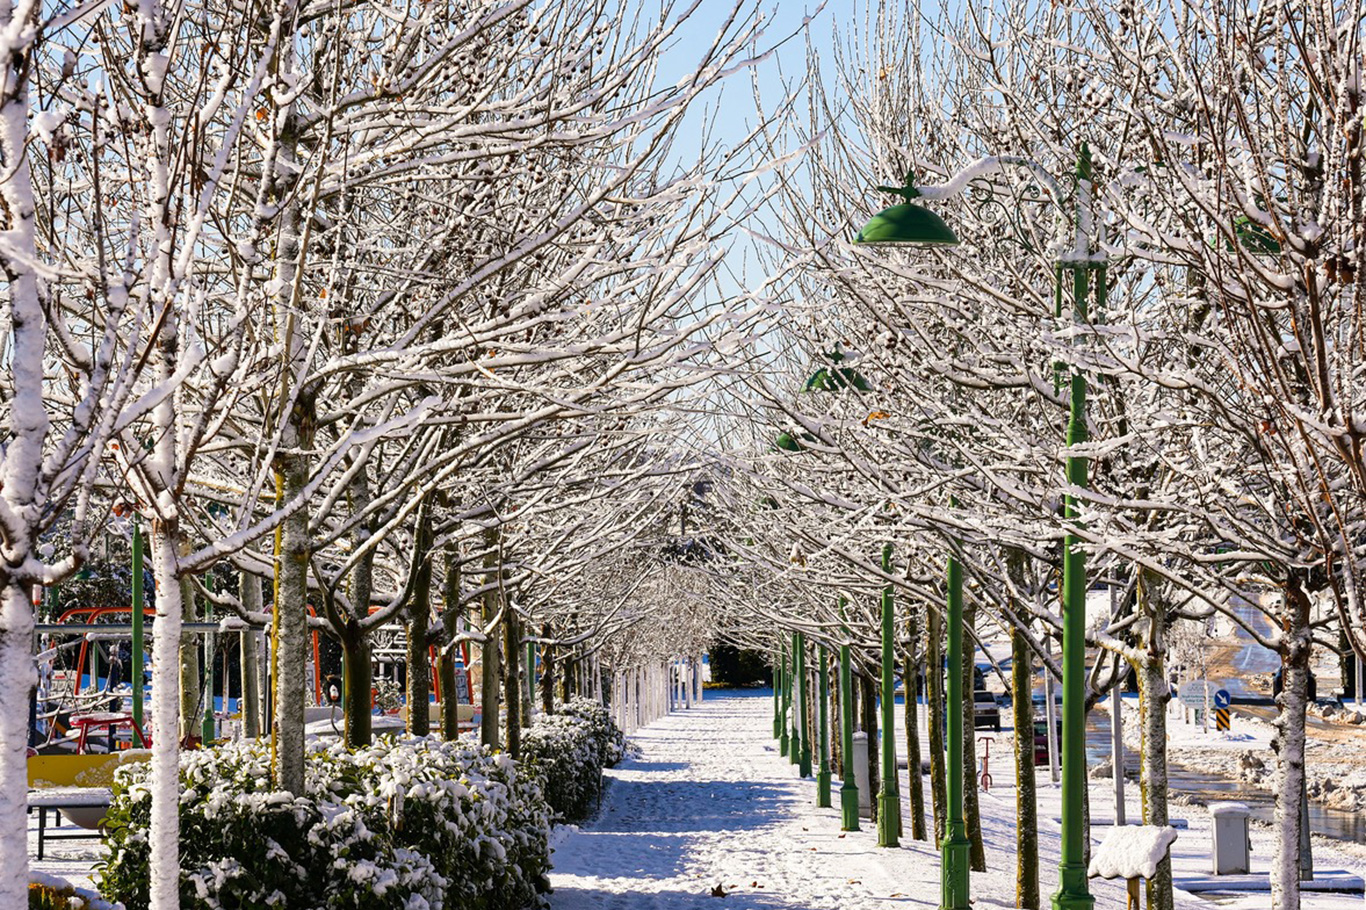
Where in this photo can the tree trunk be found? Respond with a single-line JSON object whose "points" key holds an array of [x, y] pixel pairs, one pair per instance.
{"points": [[972, 814], [1026, 797], [836, 719], [868, 712], [490, 672], [165, 828], [190, 678], [249, 658], [910, 671], [1289, 746], [548, 674], [357, 683], [512, 682], [445, 664], [419, 614], [934, 689], [419, 693], [291, 610], [1153, 696]]}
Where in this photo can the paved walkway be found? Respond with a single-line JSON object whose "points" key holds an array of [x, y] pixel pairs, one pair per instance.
{"points": [[712, 804]]}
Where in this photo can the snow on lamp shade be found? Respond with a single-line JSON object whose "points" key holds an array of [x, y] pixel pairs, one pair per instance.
{"points": [[1131, 851]]}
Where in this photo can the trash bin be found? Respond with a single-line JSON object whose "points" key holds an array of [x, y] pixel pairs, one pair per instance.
{"points": [[865, 792], [1231, 844]]}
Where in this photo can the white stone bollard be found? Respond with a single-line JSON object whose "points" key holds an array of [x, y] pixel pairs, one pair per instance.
{"points": [[865, 790]]}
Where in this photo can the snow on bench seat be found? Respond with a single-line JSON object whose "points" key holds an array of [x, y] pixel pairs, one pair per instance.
{"points": [[1131, 851]]}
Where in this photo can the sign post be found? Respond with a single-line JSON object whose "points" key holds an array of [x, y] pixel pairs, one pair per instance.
{"points": [[1222, 700]]}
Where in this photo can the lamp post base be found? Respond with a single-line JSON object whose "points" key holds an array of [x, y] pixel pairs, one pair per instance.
{"points": [[888, 817], [849, 807], [823, 789], [804, 764], [956, 864], [1073, 893], [782, 744]]}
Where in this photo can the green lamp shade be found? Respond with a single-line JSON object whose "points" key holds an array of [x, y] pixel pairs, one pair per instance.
{"points": [[907, 223], [833, 379], [786, 442]]}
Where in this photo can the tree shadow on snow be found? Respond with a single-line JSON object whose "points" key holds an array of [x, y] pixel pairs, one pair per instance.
{"points": [[743, 898], [684, 806]]}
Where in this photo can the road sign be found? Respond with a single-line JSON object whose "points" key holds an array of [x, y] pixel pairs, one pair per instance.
{"points": [[1222, 699], [1221, 720], [1194, 694]]}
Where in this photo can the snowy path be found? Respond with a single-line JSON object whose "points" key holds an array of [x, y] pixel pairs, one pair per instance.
{"points": [[711, 803]]}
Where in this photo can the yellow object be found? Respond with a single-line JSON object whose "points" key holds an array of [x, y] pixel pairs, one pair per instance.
{"points": [[79, 770], [463, 714]]}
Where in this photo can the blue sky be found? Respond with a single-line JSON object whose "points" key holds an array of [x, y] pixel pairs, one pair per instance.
{"points": [[733, 104]]}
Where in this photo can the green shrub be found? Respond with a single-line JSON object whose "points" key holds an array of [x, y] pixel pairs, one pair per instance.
{"points": [[605, 732], [567, 751], [412, 822], [562, 754]]}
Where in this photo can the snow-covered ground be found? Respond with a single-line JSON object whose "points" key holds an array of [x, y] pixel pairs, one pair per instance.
{"points": [[710, 803]]}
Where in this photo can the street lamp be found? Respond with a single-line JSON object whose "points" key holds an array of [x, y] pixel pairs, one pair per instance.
{"points": [[912, 224]]}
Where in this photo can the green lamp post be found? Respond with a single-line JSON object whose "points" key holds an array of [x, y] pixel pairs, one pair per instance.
{"points": [[888, 799], [848, 782], [911, 224], [794, 752], [804, 752]]}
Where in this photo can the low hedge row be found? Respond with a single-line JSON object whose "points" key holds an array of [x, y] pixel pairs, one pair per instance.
{"points": [[567, 751], [407, 824]]}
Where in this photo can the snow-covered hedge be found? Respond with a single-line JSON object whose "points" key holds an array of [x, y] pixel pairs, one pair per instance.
{"points": [[407, 824], [609, 737], [567, 751]]}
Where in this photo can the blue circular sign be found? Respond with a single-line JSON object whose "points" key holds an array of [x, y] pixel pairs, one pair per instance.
{"points": [[1222, 699]]}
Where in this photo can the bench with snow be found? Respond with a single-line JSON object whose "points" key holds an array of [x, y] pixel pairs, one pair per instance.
{"points": [[1132, 852], [84, 807]]}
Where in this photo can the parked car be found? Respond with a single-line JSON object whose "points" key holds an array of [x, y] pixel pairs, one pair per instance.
{"points": [[985, 711], [1041, 739]]}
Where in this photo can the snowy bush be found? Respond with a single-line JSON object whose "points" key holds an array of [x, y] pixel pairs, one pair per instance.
{"points": [[567, 751], [408, 824], [610, 739]]}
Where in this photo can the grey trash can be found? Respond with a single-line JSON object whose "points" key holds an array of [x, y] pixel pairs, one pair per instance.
{"points": [[1231, 844]]}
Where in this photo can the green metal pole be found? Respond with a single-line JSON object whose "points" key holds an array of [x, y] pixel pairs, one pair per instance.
{"points": [[1073, 892], [956, 847], [823, 741], [783, 742], [135, 673], [888, 799], [848, 786], [803, 714], [794, 751]]}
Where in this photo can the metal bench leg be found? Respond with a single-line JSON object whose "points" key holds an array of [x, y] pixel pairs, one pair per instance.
{"points": [[42, 828], [1133, 903]]}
